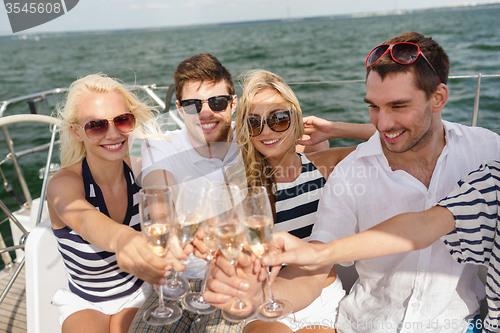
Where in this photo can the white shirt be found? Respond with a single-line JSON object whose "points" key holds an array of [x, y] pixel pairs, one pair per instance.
{"points": [[420, 291], [177, 155]]}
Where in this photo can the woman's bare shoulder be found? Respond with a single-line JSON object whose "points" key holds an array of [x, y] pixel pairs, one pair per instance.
{"points": [[69, 176]]}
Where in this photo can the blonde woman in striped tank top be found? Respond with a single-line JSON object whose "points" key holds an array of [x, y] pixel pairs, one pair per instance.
{"points": [[93, 209], [268, 127]]}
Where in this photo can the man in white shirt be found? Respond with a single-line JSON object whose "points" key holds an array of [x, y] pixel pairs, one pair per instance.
{"points": [[206, 101], [413, 161]]}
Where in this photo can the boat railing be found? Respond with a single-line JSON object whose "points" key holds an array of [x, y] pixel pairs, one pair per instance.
{"points": [[4, 121], [477, 94], [13, 156]]}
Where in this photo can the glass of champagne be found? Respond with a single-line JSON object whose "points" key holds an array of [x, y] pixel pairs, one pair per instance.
{"points": [[156, 216], [226, 210], [259, 232], [194, 301], [190, 211]]}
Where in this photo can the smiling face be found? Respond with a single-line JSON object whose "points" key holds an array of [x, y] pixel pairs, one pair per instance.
{"points": [[401, 113], [207, 126], [114, 145], [272, 145]]}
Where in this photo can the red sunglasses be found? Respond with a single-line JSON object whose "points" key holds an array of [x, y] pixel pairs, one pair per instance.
{"points": [[97, 129], [404, 53]]}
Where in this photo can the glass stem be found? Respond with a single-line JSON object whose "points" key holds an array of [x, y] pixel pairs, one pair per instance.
{"points": [[161, 306], [162, 310], [239, 304], [205, 276], [272, 303], [174, 279]]}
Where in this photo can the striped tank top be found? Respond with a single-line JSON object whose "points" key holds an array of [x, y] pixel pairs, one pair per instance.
{"points": [[297, 202], [94, 274]]}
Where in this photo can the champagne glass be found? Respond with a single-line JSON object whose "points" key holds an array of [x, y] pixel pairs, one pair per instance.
{"points": [[259, 232], [156, 216], [225, 202], [190, 213], [194, 301]]}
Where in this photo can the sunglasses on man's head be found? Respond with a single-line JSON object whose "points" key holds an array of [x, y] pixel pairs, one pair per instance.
{"points": [[97, 129], [278, 122], [404, 53], [216, 104]]}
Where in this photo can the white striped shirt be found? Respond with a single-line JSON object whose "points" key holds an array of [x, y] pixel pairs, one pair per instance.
{"points": [[476, 239]]}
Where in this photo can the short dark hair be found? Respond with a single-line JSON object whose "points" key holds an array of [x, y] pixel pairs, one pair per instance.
{"points": [[425, 78], [202, 67]]}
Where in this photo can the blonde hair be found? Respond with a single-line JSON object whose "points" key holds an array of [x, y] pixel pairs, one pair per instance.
{"points": [[258, 170], [72, 150]]}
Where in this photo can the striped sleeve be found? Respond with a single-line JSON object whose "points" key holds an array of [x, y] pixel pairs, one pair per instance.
{"points": [[476, 240], [474, 205]]}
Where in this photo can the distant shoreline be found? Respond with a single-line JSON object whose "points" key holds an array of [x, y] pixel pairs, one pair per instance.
{"points": [[464, 7]]}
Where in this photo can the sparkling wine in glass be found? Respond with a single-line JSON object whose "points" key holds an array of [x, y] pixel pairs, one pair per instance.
{"points": [[225, 202], [156, 216], [194, 301], [190, 211], [259, 233]]}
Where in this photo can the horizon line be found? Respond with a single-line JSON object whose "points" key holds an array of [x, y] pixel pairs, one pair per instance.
{"points": [[463, 6]]}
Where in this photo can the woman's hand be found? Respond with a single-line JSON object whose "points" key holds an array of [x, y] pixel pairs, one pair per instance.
{"points": [[226, 282], [135, 256]]}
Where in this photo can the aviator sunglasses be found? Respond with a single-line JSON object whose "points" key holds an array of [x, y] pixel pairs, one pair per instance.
{"points": [[278, 122], [216, 104], [97, 129], [404, 53]]}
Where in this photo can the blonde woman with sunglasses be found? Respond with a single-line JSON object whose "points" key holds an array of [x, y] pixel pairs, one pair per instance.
{"points": [[268, 126], [93, 211]]}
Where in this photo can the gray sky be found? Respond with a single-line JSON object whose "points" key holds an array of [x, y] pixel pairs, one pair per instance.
{"points": [[126, 14]]}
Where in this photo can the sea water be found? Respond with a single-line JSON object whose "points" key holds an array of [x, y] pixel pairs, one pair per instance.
{"points": [[311, 55]]}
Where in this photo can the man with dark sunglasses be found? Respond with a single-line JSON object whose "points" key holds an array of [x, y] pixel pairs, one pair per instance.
{"points": [[414, 160], [206, 101]]}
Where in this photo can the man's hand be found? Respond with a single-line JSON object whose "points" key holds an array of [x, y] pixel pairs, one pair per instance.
{"points": [[176, 252], [294, 251], [320, 130], [317, 129], [200, 250]]}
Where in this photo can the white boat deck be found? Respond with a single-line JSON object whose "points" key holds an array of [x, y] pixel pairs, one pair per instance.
{"points": [[13, 308]]}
